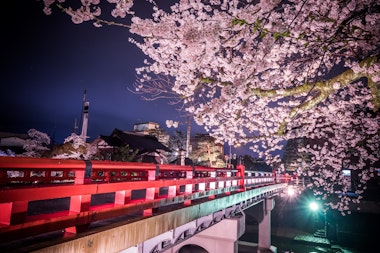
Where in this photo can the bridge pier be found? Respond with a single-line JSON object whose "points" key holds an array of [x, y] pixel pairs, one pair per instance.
{"points": [[262, 213], [265, 226], [220, 237]]}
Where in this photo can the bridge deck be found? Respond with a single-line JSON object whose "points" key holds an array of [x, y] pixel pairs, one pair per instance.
{"points": [[138, 196]]}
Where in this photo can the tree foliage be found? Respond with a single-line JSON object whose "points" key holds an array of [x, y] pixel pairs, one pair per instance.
{"points": [[124, 154], [177, 143], [36, 144], [262, 72], [207, 152], [74, 147]]}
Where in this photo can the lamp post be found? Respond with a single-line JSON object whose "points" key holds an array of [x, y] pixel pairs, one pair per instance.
{"points": [[230, 157], [325, 222], [170, 123], [291, 198], [315, 207]]}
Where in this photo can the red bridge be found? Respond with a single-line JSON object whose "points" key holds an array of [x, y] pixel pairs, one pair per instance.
{"points": [[49, 202]]}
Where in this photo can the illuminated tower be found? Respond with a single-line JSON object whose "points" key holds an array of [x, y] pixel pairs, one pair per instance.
{"points": [[86, 105]]}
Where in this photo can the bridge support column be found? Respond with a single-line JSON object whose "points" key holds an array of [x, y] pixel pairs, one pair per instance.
{"points": [[262, 214], [264, 242]]}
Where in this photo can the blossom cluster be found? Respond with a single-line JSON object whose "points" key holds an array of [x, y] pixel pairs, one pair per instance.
{"points": [[263, 72]]}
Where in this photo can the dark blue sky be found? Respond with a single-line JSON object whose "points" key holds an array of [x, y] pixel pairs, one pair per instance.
{"points": [[47, 63]]}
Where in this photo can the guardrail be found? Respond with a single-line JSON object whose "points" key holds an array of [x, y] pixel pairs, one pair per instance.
{"points": [[40, 195]]}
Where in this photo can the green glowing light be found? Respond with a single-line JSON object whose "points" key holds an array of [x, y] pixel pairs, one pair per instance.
{"points": [[313, 206]]}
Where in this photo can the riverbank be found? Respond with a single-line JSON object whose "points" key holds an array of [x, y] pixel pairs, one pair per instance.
{"points": [[290, 240], [294, 227]]}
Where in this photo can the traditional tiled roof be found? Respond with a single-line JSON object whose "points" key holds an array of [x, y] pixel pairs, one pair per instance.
{"points": [[144, 143], [9, 135]]}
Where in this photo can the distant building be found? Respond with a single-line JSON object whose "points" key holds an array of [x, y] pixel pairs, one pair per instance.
{"points": [[206, 152], [291, 154], [147, 147], [153, 129], [13, 142], [145, 127], [255, 164]]}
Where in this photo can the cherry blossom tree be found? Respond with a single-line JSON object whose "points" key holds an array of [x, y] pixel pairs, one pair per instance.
{"points": [[207, 152], [7, 152], [74, 147], [124, 154], [265, 71], [177, 143], [36, 144]]}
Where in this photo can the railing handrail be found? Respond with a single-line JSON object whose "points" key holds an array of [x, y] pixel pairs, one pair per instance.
{"points": [[160, 183]]}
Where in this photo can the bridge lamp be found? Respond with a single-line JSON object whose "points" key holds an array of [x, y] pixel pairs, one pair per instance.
{"points": [[290, 191]]}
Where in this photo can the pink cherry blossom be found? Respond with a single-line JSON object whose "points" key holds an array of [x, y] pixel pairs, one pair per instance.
{"points": [[263, 72]]}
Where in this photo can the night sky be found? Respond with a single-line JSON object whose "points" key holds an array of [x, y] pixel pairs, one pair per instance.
{"points": [[47, 62]]}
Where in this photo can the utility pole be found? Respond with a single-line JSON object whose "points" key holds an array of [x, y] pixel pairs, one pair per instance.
{"points": [[188, 138], [184, 153], [230, 157], [86, 105]]}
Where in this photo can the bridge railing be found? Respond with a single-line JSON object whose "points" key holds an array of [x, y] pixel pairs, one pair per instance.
{"points": [[40, 195]]}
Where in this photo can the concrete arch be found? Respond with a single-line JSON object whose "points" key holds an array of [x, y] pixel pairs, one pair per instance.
{"points": [[222, 237], [192, 248], [196, 241]]}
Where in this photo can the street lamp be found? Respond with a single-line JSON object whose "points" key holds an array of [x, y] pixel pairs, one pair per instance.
{"points": [[230, 156], [174, 124], [313, 206]]}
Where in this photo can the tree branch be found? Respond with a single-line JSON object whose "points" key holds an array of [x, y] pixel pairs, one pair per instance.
{"points": [[324, 89]]}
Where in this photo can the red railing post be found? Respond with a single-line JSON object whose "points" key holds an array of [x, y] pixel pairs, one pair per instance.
{"points": [[228, 182], [240, 173], [122, 197], [172, 191], [188, 187], [13, 212], [151, 192], [78, 203], [212, 185], [5, 214], [19, 212]]}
